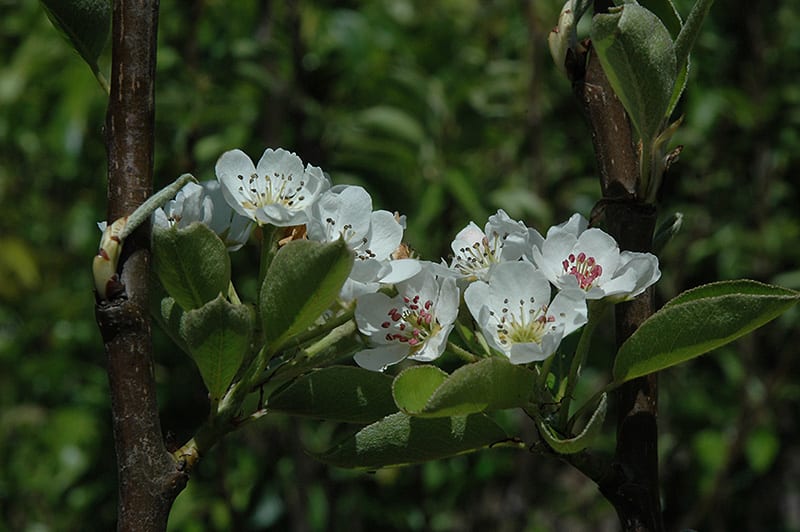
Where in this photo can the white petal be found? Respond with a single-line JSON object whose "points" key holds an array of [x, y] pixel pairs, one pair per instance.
{"points": [[424, 283], [623, 284], [159, 219], [518, 280], [475, 296], [434, 346], [645, 266], [385, 234], [401, 270], [533, 352], [468, 236], [342, 210], [556, 247], [229, 167], [514, 235], [576, 225], [317, 177], [379, 358], [368, 271], [371, 311], [527, 352], [569, 309], [602, 246], [353, 289], [280, 216], [281, 163], [447, 302]]}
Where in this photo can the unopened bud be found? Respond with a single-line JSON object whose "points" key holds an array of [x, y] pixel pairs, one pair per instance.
{"points": [[561, 37]]}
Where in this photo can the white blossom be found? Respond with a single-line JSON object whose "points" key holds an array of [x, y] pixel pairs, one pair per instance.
{"points": [[514, 312], [276, 191], [345, 211], [413, 324], [573, 256], [476, 251]]}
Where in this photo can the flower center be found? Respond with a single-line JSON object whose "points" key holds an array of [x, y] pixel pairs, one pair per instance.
{"points": [[411, 324], [584, 269], [275, 189], [475, 260], [527, 325]]}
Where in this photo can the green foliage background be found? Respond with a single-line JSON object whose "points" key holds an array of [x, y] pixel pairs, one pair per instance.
{"points": [[445, 111]]}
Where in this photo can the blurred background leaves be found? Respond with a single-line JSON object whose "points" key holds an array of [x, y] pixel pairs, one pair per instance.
{"points": [[445, 111]]}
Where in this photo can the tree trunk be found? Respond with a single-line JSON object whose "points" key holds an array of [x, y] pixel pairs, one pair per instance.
{"points": [[149, 478], [630, 482]]}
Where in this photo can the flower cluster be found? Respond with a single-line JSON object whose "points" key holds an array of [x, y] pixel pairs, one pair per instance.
{"points": [[524, 291]]}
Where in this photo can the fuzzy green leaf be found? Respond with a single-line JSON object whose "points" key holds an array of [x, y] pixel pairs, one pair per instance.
{"points": [[414, 386], [218, 336], [698, 321], [192, 264], [302, 282], [490, 384], [684, 42], [400, 440], [337, 393], [638, 57], [665, 10]]}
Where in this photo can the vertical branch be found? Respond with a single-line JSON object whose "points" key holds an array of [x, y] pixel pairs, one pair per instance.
{"points": [[149, 479], [632, 484]]}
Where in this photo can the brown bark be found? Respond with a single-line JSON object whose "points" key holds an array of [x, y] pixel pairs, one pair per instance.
{"points": [[149, 478], [630, 481]]}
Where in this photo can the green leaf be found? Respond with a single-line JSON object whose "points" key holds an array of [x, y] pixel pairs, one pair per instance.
{"points": [[414, 386], [337, 393], [581, 441], [401, 440], [490, 384], [698, 321], [638, 57], [84, 23], [192, 264], [166, 312], [218, 336], [684, 42], [302, 282], [665, 10], [169, 316]]}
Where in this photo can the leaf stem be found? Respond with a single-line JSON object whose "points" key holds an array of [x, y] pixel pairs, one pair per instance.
{"points": [[462, 353], [596, 311], [589, 403], [319, 331], [101, 79]]}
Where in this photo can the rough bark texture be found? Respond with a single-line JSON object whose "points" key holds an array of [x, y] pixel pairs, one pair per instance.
{"points": [[630, 482], [149, 478]]}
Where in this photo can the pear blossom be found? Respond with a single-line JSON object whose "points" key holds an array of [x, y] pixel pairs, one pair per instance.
{"points": [[276, 191], [413, 324], [477, 251], [345, 211], [516, 315], [574, 256], [205, 203]]}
